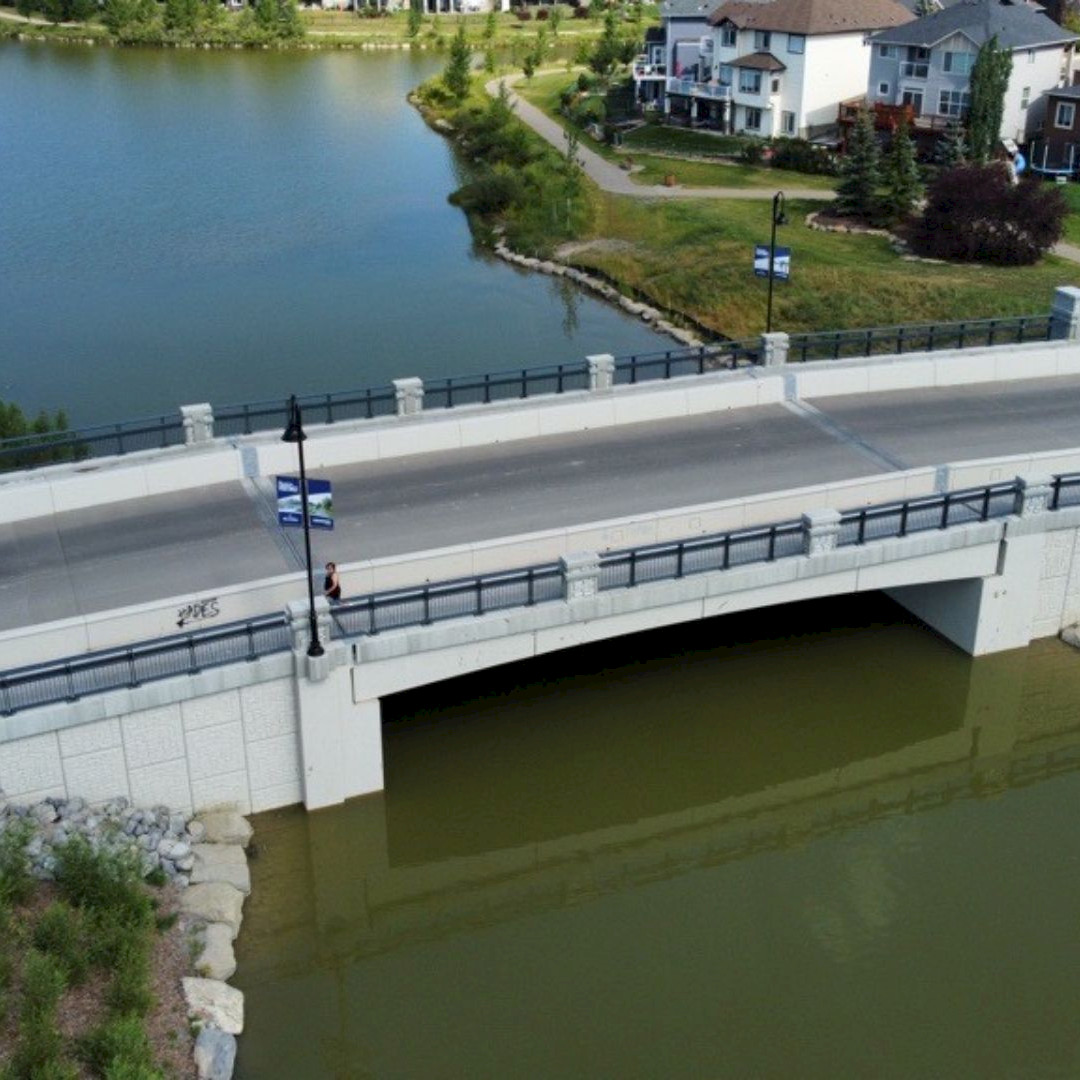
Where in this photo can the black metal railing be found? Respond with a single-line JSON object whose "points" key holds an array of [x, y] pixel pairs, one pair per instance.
{"points": [[678, 363], [184, 654], [505, 385], [148, 661], [54, 447], [249, 417], [924, 337]]}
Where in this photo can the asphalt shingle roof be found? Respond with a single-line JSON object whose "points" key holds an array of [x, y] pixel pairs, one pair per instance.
{"points": [[1016, 25], [688, 8], [812, 16]]}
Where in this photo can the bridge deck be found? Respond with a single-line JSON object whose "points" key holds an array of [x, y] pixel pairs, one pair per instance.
{"points": [[93, 560]]}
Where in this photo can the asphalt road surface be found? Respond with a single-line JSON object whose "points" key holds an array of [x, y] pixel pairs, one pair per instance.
{"points": [[146, 549]]}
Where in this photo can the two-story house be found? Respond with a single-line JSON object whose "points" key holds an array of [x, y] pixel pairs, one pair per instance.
{"points": [[926, 65], [781, 67]]}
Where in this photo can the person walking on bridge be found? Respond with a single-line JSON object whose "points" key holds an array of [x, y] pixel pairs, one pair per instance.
{"points": [[332, 584]]}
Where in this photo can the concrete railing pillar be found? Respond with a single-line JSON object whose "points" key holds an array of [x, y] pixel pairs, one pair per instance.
{"points": [[774, 348], [1033, 496], [581, 574], [1065, 313], [315, 668], [198, 423], [821, 531], [601, 371], [410, 396]]}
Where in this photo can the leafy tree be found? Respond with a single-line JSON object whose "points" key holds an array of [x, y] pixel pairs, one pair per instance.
{"points": [[951, 149], [489, 60], [491, 25], [923, 8], [528, 64], [82, 10], [456, 75], [605, 54], [555, 19], [903, 184], [860, 174], [181, 16], [416, 17], [53, 10], [975, 213], [26, 8], [989, 81], [118, 15]]}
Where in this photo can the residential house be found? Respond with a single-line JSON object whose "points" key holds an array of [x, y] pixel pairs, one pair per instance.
{"points": [[925, 66], [1056, 149], [674, 53], [781, 67], [649, 70]]}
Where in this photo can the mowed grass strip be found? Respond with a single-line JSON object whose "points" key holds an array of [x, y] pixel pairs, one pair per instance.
{"points": [[696, 256]]}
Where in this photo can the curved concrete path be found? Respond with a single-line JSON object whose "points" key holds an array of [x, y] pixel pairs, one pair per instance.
{"points": [[617, 181]]}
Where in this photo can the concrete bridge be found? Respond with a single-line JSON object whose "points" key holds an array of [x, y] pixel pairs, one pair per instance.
{"points": [[274, 727]]}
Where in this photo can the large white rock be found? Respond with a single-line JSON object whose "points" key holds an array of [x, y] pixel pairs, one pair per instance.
{"points": [[214, 902], [215, 1054], [217, 959], [221, 862], [225, 827], [215, 1003]]}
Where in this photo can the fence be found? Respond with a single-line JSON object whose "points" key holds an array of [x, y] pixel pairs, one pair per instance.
{"points": [[927, 337], [187, 654], [35, 449]]}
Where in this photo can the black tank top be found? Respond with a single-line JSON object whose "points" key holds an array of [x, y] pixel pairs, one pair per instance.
{"points": [[335, 592]]}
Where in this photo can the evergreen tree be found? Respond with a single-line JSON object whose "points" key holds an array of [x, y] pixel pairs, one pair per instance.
{"points": [[951, 149], [924, 7], [859, 171], [456, 75], [903, 184], [416, 17], [181, 16], [555, 18], [489, 60], [490, 25], [989, 81]]}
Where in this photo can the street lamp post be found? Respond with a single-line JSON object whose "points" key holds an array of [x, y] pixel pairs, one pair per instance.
{"points": [[294, 433], [777, 219]]}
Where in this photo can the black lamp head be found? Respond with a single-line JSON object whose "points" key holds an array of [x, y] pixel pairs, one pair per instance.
{"points": [[294, 428]]}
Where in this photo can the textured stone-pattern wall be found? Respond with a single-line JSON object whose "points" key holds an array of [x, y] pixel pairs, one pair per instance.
{"points": [[239, 746], [1059, 584]]}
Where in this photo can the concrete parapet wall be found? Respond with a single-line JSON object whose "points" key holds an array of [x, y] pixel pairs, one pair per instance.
{"points": [[100, 481]]}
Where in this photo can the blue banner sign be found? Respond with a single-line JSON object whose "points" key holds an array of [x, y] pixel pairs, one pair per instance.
{"points": [[781, 263], [320, 503]]}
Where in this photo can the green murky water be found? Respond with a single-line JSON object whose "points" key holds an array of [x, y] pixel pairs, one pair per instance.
{"points": [[809, 842]]}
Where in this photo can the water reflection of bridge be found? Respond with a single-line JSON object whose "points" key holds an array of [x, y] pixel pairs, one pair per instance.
{"points": [[346, 892]]}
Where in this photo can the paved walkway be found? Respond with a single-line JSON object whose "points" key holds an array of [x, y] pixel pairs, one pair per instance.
{"points": [[611, 178]]}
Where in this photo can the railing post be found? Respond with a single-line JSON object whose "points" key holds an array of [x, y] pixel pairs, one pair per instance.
{"points": [[774, 348], [821, 531], [581, 574], [1032, 495], [1065, 314], [198, 423], [410, 396], [316, 668], [601, 371]]}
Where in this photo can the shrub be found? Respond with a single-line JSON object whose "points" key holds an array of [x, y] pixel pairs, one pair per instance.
{"points": [[752, 152], [522, 13], [39, 1047], [975, 214], [542, 14], [119, 1048], [129, 991], [106, 882], [16, 882], [59, 932], [491, 193], [585, 82], [581, 13], [588, 111], [799, 155]]}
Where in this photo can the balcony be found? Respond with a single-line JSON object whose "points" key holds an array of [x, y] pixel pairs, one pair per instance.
{"points": [[644, 72], [689, 88]]}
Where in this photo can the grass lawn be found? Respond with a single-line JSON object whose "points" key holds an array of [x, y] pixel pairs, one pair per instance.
{"points": [[1072, 222], [695, 256], [543, 91]]}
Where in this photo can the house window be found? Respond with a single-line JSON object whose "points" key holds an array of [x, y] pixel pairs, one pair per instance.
{"points": [[1031, 56], [954, 102], [917, 64], [723, 76], [762, 39], [796, 43], [728, 36], [749, 81], [1025, 97], [776, 86], [1064, 114], [958, 63], [787, 123], [753, 120], [883, 89], [887, 52]]}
